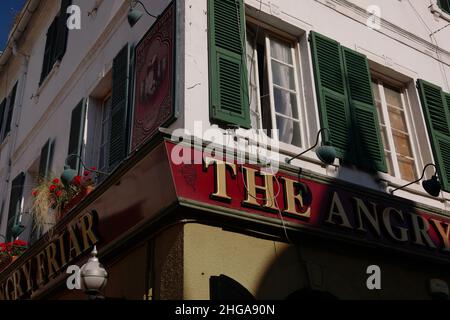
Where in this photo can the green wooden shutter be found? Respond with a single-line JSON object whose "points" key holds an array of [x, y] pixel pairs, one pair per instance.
{"points": [[62, 31], [76, 134], [227, 63], [46, 158], [366, 127], [332, 93], [9, 111], [49, 51], [444, 5], [436, 108], [119, 109], [15, 203]]}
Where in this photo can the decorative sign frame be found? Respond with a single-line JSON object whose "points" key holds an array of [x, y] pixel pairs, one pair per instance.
{"points": [[154, 79]]}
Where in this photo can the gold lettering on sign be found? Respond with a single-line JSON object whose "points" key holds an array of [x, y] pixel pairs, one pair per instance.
{"points": [[387, 224], [51, 260], [421, 232], [26, 270], [251, 190], [40, 268], [220, 173], [371, 217], [292, 198], [87, 231], [337, 204], [443, 233]]}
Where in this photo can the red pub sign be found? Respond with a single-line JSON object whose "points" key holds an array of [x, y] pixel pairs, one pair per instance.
{"points": [[153, 96], [325, 207]]}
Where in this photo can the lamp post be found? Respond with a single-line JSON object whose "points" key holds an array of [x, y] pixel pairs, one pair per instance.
{"points": [[326, 152], [93, 277], [431, 186]]}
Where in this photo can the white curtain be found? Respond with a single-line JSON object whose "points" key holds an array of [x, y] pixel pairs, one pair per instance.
{"points": [[252, 68], [283, 76]]}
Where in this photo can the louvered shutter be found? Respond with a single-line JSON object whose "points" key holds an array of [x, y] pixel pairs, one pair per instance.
{"points": [[76, 135], [227, 63], [436, 108], [10, 111], [62, 31], [49, 52], [444, 5], [119, 109], [2, 114], [366, 127], [15, 203], [332, 93], [46, 158]]}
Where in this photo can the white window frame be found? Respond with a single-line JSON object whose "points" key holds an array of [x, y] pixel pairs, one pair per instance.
{"points": [[269, 34], [387, 122]]}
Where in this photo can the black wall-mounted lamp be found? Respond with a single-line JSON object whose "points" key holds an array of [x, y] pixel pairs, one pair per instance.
{"points": [[134, 15], [69, 174], [431, 186], [326, 152]]}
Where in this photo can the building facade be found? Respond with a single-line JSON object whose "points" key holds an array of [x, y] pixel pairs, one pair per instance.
{"points": [[191, 118]]}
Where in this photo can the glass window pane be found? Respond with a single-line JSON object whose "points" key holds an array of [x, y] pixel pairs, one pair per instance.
{"points": [[407, 169], [402, 145], [376, 91], [393, 97], [281, 50], [390, 166], [385, 139], [288, 131], [380, 113], [283, 75], [397, 119], [285, 102]]}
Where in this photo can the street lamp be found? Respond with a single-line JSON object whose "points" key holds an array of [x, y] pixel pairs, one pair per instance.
{"points": [[431, 186], [93, 277], [326, 152], [134, 15]]}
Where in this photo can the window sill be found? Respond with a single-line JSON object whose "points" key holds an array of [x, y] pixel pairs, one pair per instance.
{"points": [[438, 12], [44, 83]]}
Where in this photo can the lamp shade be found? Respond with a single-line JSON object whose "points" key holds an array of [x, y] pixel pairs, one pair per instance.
{"points": [[134, 16], [432, 186], [326, 154], [17, 230], [68, 175], [93, 275]]}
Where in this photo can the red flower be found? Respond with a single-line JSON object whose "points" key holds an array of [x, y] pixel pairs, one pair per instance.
{"points": [[94, 168], [34, 193], [20, 243], [77, 181], [52, 188], [59, 193], [86, 173], [56, 181]]}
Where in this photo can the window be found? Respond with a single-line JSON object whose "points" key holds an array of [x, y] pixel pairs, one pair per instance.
{"points": [[444, 5], [6, 113], [391, 107], [273, 84], [56, 43], [15, 207], [105, 136]]}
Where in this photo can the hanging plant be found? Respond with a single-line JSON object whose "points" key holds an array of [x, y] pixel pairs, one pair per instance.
{"points": [[10, 251], [52, 196]]}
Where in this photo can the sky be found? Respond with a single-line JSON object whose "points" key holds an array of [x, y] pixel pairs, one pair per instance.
{"points": [[8, 9]]}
